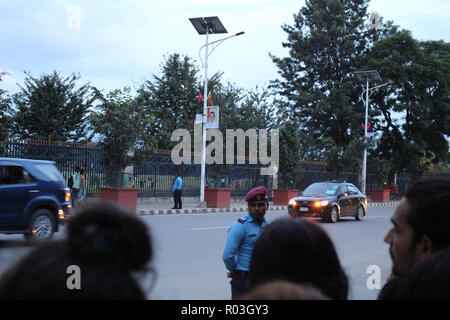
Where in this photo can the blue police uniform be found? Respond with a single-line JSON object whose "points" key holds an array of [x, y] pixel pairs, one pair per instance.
{"points": [[238, 250], [176, 189]]}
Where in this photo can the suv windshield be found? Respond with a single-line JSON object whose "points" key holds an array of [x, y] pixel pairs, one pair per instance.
{"points": [[321, 189], [50, 171]]}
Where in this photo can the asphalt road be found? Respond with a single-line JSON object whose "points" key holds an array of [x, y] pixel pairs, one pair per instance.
{"points": [[188, 251]]}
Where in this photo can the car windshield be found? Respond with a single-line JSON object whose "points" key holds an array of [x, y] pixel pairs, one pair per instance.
{"points": [[321, 189], [50, 171]]}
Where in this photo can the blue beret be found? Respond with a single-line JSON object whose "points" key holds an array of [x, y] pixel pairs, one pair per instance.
{"points": [[253, 194]]}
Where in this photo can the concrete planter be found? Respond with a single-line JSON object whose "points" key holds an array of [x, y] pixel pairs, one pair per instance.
{"points": [[126, 197], [217, 197], [379, 195], [282, 196]]}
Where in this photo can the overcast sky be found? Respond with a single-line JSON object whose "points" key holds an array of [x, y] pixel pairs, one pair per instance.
{"points": [[118, 43]]}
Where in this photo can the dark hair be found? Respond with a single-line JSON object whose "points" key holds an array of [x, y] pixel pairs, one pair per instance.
{"points": [[429, 279], [284, 290], [106, 242], [429, 213], [301, 252]]}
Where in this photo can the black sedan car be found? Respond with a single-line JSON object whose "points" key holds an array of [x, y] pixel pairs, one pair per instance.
{"points": [[329, 201]]}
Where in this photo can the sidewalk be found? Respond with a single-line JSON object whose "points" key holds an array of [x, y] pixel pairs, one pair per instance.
{"points": [[162, 206]]}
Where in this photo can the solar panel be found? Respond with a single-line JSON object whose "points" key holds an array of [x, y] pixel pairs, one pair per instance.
{"points": [[372, 75], [213, 23]]}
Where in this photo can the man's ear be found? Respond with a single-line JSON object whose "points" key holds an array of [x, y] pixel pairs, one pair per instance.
{"points": [[425, 246]]}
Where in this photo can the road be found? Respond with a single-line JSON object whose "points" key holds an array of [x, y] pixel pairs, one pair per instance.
{"points": [[188, 251]]}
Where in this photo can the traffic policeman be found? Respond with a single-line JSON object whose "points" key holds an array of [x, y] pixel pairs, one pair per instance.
{"points": [[240, 240]]}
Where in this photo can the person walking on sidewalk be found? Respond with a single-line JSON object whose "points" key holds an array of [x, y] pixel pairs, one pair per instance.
{"points": [[177, 187], [75, 186], [241, 238], [82, 190]]}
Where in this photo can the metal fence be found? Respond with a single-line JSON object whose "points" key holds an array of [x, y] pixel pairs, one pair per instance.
{"points": [[154, 177]]}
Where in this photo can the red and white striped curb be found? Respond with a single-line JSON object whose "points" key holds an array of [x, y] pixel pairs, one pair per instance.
{"points": [[241, 209]]}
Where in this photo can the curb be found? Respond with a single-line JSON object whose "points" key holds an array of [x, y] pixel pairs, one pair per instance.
{"points": [[242, 209]]}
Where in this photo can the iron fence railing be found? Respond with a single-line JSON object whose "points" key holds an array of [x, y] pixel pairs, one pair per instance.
{"points": [[154, 177]]}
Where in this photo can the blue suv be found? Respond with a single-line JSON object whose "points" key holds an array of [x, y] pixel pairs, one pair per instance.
{"points": [[34, 198]]}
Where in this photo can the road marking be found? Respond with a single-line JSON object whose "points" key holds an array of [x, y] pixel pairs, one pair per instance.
{"points": [[209, 228], [376, 217], [213, 228]]}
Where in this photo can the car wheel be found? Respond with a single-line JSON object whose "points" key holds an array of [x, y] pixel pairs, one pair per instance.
{"points": [[359, 215], [42, 225], [333, 216]]}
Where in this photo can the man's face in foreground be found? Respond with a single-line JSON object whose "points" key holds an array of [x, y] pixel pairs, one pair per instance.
{"points": [[404, 252]]}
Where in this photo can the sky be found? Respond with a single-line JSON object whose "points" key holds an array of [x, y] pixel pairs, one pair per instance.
{"points": [[113, 44]]}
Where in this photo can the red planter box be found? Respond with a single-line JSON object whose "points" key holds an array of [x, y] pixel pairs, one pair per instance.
{"points": [[126, 197], [282, 196], [217, 197], [379, 195]]}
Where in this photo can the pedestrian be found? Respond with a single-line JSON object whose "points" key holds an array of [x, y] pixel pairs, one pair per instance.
{"points": [[298, 251], [421, 225], [177, 187], [82, 191], [106, 244], [75, 186], [429, 279], [240, 240]]}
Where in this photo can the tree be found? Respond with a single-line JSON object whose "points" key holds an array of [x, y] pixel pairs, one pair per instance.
{"points": [[172, 98], [339, 158], [52, 108], [419, 90], [5, 116], [325, 44], [290, 154], [122, 123]]}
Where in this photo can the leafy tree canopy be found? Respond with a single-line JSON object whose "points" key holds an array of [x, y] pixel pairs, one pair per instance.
{"points": [[51, 107]]}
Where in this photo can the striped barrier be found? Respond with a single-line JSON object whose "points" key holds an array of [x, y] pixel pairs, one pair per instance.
{"points": [[241, 209]]}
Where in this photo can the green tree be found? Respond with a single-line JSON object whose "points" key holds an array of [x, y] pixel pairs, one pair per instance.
{"points": [[52, 108], [325, 45], [122, 123], [172, 98], [290, 155], [339, 158], [5, 116], [419, 92]]}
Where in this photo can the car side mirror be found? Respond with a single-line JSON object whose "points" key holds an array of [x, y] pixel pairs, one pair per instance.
{"points": [[300, 193], [340, 195]]}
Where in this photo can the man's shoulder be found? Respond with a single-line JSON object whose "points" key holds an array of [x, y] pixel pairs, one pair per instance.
{"points": [[391, 289], [240, 223], [242, 220]]}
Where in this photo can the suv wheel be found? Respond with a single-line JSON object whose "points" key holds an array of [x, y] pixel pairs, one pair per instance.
{"points": [[359, 215], [42, 225]]}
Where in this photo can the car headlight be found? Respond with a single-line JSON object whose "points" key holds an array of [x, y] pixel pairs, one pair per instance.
{"points": [[292, 202], [321, 203]]}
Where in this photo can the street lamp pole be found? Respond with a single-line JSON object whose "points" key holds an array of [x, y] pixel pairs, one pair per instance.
{"points": [[364, 169], [365, 77], [206, 26], [205, 98]]}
